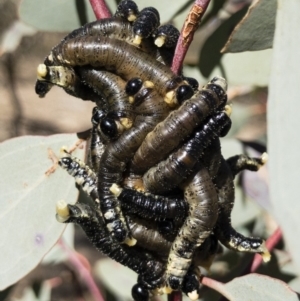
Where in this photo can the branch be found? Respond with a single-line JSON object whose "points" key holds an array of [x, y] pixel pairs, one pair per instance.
{"points": [[271, 242], [84, 273], [215, 285], [191, 24], [100, 9]]}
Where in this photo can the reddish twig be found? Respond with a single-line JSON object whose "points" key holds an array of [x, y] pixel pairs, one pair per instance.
{"points": [[271, 242], [191, 23], [82, 271], [215, 285], [100, 9], [175, 296]]}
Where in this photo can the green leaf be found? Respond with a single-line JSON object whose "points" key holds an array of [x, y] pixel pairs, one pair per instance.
{"points": [[284, 125], [256, 30], [259, 288], [28, 228], [210, 55], [55, 15]]}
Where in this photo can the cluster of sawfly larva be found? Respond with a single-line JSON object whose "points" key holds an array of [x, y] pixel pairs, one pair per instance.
{"points": [[163, 193]]}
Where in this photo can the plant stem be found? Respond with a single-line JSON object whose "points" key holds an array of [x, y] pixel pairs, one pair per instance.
{"points": [[191, 24], [271, 242], [175, 296], [83, 272], [100, 9]]}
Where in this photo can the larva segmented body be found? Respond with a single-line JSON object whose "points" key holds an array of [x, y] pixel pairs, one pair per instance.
{"points": [[148, 267], [168, 174], [178, 125], [120, 57]]}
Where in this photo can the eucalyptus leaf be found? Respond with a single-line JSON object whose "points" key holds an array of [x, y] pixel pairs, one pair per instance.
{"points": [[210, 55], [116, 277], [30, 186], [284, 124], [259, 288], [256, 30], [56, 15]]}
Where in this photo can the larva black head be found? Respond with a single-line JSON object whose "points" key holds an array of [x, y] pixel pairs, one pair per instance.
{"points": [[183, 93], [224, 131], [174, 282], [139, 293], [66, 162], [109, 127], [191, 284], [133, 86], [166, 36], [222, 122], [42, 88], [192, 82], [128, 10], [146, 22], [165, 227], [97, 115]]}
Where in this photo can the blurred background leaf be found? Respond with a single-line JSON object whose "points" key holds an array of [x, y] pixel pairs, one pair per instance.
{"points": [[256, 30]]}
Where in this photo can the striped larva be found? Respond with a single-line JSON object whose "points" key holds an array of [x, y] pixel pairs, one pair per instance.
{"points": [[170, 173], [119, 27], [179, 124], [124, 59], [142, 262], [118, 153]]}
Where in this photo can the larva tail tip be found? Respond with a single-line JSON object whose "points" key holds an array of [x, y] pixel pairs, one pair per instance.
{"points": [[62, 211], [160, 41], [264, 158], [220, 81], [42, 71], [115, 189], [228, 110], [193, 295]]}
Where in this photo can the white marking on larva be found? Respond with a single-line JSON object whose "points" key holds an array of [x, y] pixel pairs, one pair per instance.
{"points": [[131, 17], [228, 110], [115, 189], [220, 81], [109, 214], [266, 256], [62, 209], [170, 98], [148, 84], [50, 57], [160, 41], [137, 40], [41, 71], [264, 158], [193, 295]]}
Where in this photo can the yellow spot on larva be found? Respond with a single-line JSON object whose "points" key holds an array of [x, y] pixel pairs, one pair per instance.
{"points": [[62, 209], [228, 110], [126, 122], [264, 158], [115, 189], [160, 41], [137, 40], [130, 242], [148, 84], [41, 71]]}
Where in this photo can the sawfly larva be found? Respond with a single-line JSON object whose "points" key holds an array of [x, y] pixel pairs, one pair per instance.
{"points": [[169, 174], [179, 125]]}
